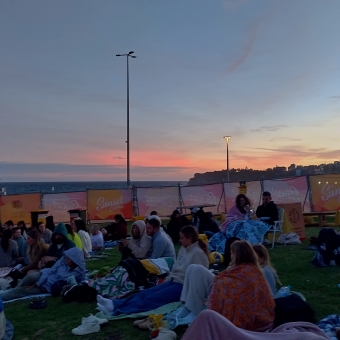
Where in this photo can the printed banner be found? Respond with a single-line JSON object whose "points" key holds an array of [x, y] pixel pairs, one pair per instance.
{"points": [[290, 190], [105, 204], [207, 194], [163, 200], [325, 192], [18, 207], [231, 190], [59, 204], [293, 219]]}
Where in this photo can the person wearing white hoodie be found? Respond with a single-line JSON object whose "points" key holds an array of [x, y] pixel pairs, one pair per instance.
{"points": [[140, 244]]}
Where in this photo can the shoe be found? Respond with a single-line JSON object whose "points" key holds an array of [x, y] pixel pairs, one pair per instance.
{"points": [[147, 324], [138, 322], [166, 334], [88, 325], [37, 304], [172, 320], [101, 321]]}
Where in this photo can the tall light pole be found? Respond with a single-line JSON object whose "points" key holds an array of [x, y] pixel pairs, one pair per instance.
{"points": [[127, 55], [227, 140]]}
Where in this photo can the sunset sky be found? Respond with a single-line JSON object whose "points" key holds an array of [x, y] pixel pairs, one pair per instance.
{"points": [[266, 72]]}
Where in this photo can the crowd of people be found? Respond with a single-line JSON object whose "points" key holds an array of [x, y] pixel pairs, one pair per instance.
{"points": [[243, 294]]}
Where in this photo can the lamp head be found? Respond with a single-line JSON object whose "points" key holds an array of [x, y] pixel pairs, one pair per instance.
{"points": [[131, 52], [227, 137], [118, 55]]}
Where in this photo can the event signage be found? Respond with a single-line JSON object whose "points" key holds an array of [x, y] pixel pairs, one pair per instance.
{"points": [[163, 200], [58, 205], [18, 207], [293, 219], [105, 204], [290, 190], [325, 192], [206, 194]]}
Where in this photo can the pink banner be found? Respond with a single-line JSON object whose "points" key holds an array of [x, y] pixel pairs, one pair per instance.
{"points": [[290, 190], [207, 194], [59, 204], [253, 193], [163, 200], [105, 204]]}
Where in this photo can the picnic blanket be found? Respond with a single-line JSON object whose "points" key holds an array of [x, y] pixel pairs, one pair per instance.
{"points": [[166, 309], [4, 271], [28, 297]]}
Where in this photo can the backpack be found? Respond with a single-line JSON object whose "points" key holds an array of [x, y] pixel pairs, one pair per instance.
{"points": [[137, 273], [292, 308]]}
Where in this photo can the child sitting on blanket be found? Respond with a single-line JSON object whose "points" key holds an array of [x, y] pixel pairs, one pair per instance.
{"points": [[53, 279]]}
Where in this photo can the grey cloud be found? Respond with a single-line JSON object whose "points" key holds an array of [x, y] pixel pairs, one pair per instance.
{"points": [[118, 157], [268, 128], [334, 97]]}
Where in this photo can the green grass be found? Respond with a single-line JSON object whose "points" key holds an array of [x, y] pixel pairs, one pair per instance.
{"points": [[292, 263]]}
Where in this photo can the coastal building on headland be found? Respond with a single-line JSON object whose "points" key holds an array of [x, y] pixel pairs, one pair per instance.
{"points": [[238, 175]]}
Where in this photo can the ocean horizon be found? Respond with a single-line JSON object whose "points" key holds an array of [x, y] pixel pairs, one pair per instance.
{"points": [[15, 188]]}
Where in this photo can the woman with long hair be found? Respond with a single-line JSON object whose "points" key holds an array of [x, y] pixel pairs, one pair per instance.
{"points": [[193, 251], [267, 268], [23, 228], [8, 249], [73, 236], [36, 250], [239, 224], [84, 236], [240, 293]]}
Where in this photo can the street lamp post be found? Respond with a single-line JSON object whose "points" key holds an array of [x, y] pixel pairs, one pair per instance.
{"points": [[127, 55], [227, 140]]}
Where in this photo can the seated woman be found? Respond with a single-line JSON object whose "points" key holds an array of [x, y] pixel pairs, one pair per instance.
{"points": [[238, 224], [268, 270], [84, 236], [97, 240], [139, 245], [53, 279], [73, 236], [9, 252], [240, 293], [193, 251], [23, 228], [36, 250]]}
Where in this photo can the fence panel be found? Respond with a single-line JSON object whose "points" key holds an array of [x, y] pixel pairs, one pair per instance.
{"points": [[231, 190], [105, 204], [205, 194], [58, 204], [18, 207], [163, 200], [325, 192], [289, 190]]}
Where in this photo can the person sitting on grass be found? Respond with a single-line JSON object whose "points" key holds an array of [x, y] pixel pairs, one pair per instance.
{"points": [[97, 240], [36, 250], [22, 244], [8, 249], [139, 245], [162, 245], [46, 234], [73, 236], [84, 236], [60, 243], [240, 293], [176, 223], [52, 280], [268, 270], [23, 228], [193, 251]]}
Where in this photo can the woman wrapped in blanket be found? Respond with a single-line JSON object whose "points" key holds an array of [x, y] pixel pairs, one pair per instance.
{"points": [[238, 224], [193, 251], [240, 293]]}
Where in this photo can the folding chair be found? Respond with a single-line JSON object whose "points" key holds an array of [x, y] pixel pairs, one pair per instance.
{"points": [[277, 227]]}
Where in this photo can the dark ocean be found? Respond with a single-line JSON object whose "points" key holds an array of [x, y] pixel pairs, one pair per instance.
{"points": [[56, 187]]}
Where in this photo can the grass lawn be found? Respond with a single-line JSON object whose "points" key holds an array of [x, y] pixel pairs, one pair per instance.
{"points": [[292, 263]]}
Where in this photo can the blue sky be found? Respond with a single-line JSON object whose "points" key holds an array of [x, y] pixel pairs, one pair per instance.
{"points": [[265, 72]]}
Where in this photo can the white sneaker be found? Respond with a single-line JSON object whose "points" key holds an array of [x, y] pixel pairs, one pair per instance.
{"points": [[88, 325], [101, 321], [166, 334]]}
